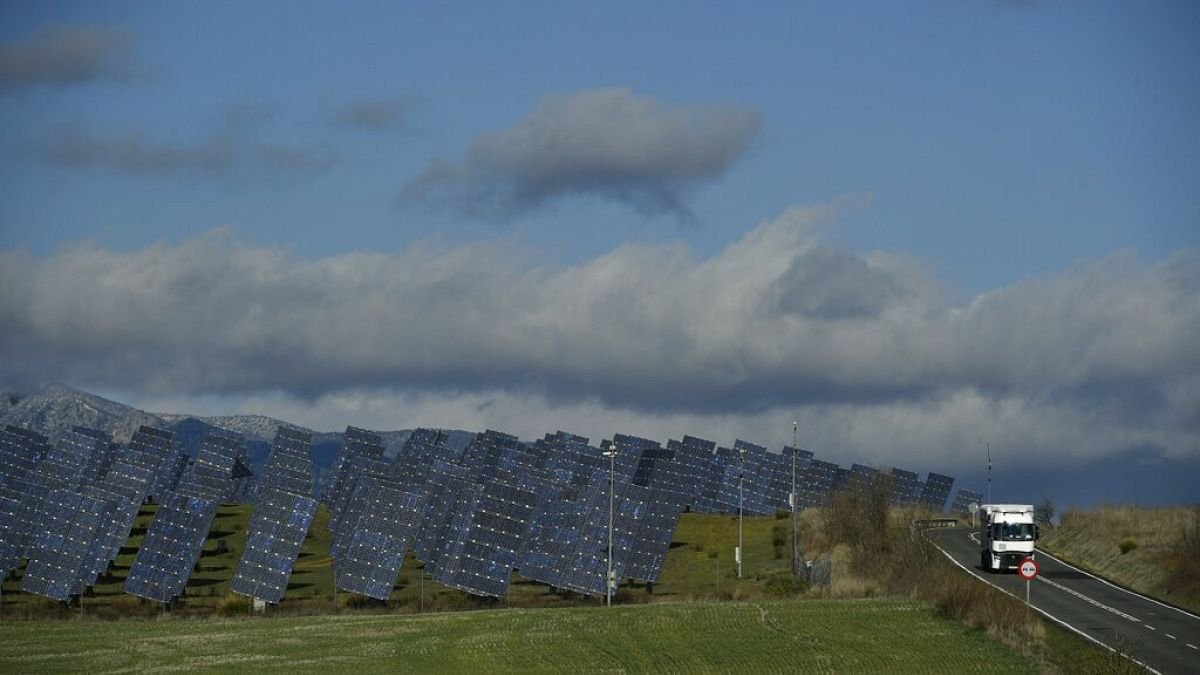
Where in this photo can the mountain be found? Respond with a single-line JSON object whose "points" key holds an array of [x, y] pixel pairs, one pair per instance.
{"points": [[56, 408]]}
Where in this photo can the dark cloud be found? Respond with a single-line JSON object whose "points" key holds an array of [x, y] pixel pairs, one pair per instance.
{"points": [[609, 143], [374, 114], [227, 152], [65, 55], [863, 347]]}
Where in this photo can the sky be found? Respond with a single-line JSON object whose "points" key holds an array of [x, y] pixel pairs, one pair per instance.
{"points": [[913, 228]]}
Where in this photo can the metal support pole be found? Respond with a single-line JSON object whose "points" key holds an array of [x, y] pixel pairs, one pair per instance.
{"points": [[612, 468], [1027, 593], [741, 499], [421, 591], [795, 504]]}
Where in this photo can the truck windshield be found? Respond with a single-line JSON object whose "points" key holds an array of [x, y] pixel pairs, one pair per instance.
{"points": [[1012, 531]]}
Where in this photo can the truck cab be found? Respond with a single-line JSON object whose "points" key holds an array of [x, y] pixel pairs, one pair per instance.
{"points": [[1007, 535]]}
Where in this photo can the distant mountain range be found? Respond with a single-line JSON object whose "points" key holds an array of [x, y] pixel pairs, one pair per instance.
{"points": [[56, 408]]}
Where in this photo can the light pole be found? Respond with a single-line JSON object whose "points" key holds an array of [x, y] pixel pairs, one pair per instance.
{"points": [[611, 454], [795, 503], [741, 501]]}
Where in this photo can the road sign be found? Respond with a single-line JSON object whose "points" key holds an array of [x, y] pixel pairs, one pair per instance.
{"points": [[1028, 569]]}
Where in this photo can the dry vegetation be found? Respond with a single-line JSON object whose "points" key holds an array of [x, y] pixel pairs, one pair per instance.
{"points": [[1151, 550]]}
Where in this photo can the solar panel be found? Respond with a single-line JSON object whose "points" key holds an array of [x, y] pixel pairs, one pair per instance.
{"points": [[277, 529], [694, 459], [171, 547], [355, 443], [126, 486], [60, 563], [448, 483], [342, 507], [417, 454], [936, 490], [371, 549], [210, 476], [861, 477], [484, 538], [104, 451], [20, 452], [156, 451], [906, 487], [819, 483], [289, 467], [964, 499]]}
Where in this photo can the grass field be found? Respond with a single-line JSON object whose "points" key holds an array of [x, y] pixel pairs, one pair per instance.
{"points": [[874, 636], [1153, 564], [699, 565]]}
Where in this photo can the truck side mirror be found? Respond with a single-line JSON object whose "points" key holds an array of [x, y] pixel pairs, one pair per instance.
{"points": [[1037, 532]]}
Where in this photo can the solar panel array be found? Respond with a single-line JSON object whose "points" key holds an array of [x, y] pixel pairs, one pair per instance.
{"points": [[471, 516]]}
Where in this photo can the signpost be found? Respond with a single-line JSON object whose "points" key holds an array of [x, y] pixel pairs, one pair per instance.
{"points": [[1028, 571]]}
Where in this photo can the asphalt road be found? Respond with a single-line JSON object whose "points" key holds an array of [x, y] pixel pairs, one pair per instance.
{"points": [[1159, 637]]}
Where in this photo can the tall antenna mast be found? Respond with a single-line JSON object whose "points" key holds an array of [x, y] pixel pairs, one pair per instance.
{"points": [[989, 453]]}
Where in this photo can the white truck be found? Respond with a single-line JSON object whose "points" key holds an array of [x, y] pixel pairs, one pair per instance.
{"points": [[1007, 535]]}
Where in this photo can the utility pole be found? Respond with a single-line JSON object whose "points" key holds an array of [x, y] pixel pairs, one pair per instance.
{"points": [[989, 455], [795, 504], [741, 501]]}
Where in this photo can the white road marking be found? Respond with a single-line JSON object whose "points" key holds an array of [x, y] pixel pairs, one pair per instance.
{"points": [[1169, 635], [1192, 646], [1096, 603], [1048, 615], [1151, 627], [1126, 590]]}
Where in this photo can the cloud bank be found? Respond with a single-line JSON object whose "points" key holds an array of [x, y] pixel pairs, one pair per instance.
{"points": [[866, 350], [66, 55], [608, 143]]}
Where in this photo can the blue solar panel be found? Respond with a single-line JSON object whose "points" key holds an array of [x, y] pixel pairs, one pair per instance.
{"points": [[963, 501], [370, 550], [60, 563], [171, 548], [936, 490], [277, 529], [20, 452]]}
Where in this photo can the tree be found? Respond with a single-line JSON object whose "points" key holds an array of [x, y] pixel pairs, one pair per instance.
{"points": [[1043, 514]]}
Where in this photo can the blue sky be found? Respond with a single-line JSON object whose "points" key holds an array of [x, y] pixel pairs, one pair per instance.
{"points": [[948, 160]]}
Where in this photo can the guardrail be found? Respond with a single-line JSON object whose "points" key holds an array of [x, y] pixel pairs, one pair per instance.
{"points": [[927, 523]]}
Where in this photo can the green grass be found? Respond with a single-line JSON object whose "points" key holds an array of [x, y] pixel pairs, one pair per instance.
{"points": [[699, 565], [784, 636], [1092, 540]]}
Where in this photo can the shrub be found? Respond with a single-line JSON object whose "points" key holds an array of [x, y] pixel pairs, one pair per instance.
{"points": [[785, 586], [232, 605], [1127, 544]]}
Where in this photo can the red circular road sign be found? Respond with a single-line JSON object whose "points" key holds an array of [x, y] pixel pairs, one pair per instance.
{"points": [[1028, 569]]}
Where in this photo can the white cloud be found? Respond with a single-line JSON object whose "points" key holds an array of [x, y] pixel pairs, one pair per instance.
{"points": [[650, 340]]}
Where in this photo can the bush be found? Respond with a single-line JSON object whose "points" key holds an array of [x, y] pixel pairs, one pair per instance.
{"points": [[1127, 544], [785, 586], [232, 605]]}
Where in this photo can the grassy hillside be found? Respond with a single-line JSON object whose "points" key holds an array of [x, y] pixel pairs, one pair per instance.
{"points": [[1146, 549], [782, 636], [699, 566]]}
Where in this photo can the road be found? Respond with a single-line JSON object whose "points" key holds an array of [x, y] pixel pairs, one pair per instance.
{"points": [[1161, 638]]}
